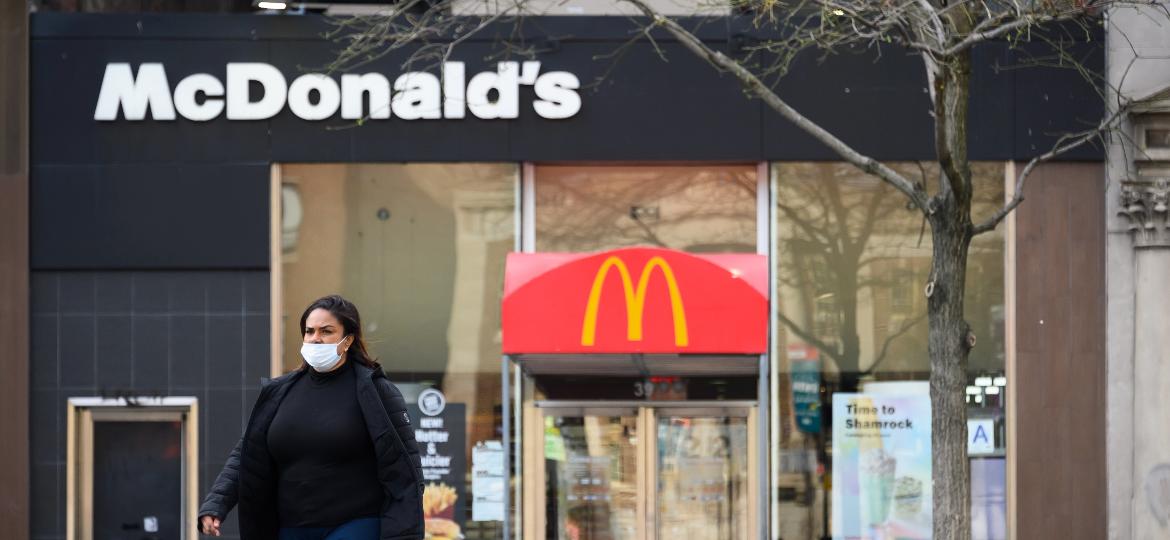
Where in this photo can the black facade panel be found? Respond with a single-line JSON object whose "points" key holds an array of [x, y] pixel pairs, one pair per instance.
{"points": [[43, 368], [396, 139], [48, 501], [151, 355], [877, 104], [187, 295], [115, 292], [78, 366], [224, 410], [225, 293], [257, 293], [67, 77], [115, 351], [296, 140], [149, 293], [1053, 98], [45, 441], [265, 28], [636, 106], [225, 352], [77, 292], [150, 216], [991, 115], [165, 351], [188, 349], [256, 339]]}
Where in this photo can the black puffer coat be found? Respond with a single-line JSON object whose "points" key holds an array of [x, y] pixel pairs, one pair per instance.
{"points": [[249, 477]]}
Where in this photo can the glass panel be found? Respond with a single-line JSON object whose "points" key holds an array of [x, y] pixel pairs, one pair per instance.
{"points": [[692, 208], [137, 480], [420, 249], [852, 264], [702, 478], [591, 481]]}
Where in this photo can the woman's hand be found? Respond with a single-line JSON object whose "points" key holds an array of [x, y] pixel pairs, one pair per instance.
{"points": [[210, 525]]}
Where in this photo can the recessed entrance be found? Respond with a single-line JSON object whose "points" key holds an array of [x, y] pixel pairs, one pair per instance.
{"points": [[132, 469], [641, 470]]}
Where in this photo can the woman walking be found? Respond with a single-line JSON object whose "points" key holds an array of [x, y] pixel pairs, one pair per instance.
{"points": [[328, 452]]}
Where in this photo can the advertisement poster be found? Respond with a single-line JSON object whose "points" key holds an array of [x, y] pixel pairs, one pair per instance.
{"points": [[805, 368], [441, 431], [881, 467], [488, 481]]}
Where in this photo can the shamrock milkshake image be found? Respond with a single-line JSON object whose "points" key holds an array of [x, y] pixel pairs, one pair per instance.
{"points": [[877, 484]]}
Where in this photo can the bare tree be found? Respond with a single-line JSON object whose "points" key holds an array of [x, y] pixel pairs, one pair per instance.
{"points": [[943, 33]]}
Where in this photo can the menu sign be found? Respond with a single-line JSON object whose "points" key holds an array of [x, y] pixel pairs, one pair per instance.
{"points": [[441, 431]]}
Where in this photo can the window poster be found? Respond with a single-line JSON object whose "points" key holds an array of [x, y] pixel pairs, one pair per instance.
{"points": [[441, 431], [804, 362], [488, 481], [881, 467]]}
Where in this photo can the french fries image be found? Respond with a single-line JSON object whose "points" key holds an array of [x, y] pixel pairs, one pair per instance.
{"points": [[437, 498], [439, 510]]}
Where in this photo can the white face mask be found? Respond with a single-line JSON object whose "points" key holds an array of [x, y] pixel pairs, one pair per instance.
{"points": [[321, 356]]}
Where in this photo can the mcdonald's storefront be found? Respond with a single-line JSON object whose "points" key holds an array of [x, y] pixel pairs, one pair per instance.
{"points": [[646, 309], [662, 460]]}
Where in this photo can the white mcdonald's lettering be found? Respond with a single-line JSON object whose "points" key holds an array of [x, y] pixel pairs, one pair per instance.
{"points": [[635, 301], [414, 95]]}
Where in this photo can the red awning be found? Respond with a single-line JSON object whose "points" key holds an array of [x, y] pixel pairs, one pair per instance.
{"points": [[636, 300]]}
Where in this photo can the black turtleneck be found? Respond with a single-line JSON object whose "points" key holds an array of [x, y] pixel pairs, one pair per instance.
{"points": [[327, 473]]}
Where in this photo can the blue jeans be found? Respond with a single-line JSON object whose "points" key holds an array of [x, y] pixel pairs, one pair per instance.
{"points": [[358, 529]]}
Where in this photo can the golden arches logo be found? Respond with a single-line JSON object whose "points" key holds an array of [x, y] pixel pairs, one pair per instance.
{"points": [[635, 300]]}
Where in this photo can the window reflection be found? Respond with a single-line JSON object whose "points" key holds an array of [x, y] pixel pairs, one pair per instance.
{"points": [[420, 249], [701, 208], [852, 261]]}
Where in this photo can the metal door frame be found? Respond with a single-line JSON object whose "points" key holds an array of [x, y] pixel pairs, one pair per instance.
{"points": [[532, 498], [83, 412], [517, 392]]}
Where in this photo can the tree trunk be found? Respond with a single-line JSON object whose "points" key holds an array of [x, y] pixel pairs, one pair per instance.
{"points": [[948, 347], [950, 337]]}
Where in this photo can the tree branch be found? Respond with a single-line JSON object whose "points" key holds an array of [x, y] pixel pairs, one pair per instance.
{"points": [[890, 339], [1063, 145], [759, 89], [809, 338]]}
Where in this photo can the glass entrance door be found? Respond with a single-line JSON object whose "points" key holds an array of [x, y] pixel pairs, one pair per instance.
{"points": [[640, 473], [702, 476], [591, 475]]}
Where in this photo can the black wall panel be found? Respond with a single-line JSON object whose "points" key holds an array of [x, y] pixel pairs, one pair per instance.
{"points": [[640, 107], [67, 77], [149, 216], [1052, 99], [876, 103], [201, 334], [636, 105]]}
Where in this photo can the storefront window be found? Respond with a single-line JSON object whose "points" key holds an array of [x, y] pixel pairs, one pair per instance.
{"points": [[420, 249], [851, 263], [698, 208]]}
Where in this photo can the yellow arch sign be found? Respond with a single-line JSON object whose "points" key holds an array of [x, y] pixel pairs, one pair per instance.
{"points": [[635, 300]]}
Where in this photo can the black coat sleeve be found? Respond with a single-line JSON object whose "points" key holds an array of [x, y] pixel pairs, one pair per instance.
{"points": [[407, 512], [225, 490]]}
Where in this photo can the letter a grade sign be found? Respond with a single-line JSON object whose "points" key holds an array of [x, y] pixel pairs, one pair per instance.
{"points": [[638, 300]]}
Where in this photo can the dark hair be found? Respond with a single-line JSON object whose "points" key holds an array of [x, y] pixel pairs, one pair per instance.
{"points": [[351, 322]]}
